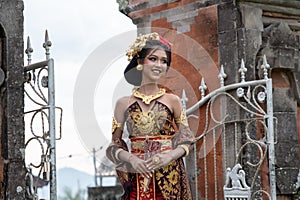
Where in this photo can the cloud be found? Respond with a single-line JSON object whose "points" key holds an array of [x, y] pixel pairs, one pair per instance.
{"points": [[76, 28]]}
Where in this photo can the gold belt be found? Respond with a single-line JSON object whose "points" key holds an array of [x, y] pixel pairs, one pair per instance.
{"points": [[163, 143]]}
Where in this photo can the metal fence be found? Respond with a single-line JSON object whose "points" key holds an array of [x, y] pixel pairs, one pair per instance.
{"points": [[234, 154], [40, 123]]}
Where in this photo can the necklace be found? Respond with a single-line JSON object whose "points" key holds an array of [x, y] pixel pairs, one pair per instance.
{"points": [[148, 98]]}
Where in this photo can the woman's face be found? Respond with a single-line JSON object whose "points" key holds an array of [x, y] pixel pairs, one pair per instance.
{"points": [[155, 66]]}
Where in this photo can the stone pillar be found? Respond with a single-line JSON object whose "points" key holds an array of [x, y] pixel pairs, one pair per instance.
{"points": [[282, 47], [12, 100]]}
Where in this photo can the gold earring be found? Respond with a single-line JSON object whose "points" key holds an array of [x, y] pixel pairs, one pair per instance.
{"points": [[139, 67]]}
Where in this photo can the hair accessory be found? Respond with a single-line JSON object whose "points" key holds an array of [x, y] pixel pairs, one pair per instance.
{"points": [[139, 67], [140, 42]]}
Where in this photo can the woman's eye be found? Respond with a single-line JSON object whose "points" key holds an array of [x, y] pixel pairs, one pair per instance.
{"points": [[164, 61], [152, 58]]}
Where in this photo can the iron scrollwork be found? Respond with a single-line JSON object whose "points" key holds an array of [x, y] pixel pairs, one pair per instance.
{"points": [[40, 134]]}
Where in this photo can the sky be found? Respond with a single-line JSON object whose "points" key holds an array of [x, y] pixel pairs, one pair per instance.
{"points": [[82, 32]]}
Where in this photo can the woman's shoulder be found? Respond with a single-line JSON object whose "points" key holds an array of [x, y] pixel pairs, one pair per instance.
{"points": [[172, 98], [172, 101], [123, 101], [121, 106]]}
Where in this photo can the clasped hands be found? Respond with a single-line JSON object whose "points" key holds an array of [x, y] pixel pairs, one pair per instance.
{"points": [[147, 167]]}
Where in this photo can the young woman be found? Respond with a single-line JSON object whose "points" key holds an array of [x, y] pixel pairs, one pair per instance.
{"points": [[152, 166]]}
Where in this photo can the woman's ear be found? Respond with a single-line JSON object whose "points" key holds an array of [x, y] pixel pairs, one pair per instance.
{"points": [[140, 61]]}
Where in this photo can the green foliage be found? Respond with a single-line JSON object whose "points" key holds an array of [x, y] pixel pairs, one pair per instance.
{"points": [[68, 194]]}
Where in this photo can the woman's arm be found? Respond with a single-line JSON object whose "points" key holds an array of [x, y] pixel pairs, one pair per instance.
{"points": [[118, 151], [117, 143]]}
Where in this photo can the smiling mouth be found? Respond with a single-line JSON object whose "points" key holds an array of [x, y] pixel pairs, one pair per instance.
{"points": [[157, 71]]}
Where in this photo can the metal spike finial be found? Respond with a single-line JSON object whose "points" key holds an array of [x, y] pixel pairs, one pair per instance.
{"points": [[184, 99], [243, 71], [222, 76], [265, 66], [47, 44], [202, 88], [28, 50]]}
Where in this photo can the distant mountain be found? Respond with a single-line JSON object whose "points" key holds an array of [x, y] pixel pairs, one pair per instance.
{"points": [[74, 180]]}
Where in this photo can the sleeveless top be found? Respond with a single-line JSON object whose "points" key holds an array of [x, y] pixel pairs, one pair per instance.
{"points": [[158, 120]]}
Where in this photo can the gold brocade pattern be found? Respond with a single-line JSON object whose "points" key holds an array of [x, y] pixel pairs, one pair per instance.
{"points": [[141, 187], [140, 145], [157, 121], [145, 121], [182, 119], [115, 125]]}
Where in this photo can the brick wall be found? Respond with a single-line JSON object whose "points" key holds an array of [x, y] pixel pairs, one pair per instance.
{"points": [[207, 33]]}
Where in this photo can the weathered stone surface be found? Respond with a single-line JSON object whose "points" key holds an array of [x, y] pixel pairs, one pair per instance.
{"points": [[281, 45], [287, 154], [228, 17], [285, 178], [251, 17], [280, 35], [276, 6], [229, 59], [283, 101], [12, 100]]}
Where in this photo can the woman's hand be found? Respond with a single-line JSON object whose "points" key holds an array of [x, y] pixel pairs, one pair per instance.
{"points": [[159, 160], [139, 166], [162, 159]]}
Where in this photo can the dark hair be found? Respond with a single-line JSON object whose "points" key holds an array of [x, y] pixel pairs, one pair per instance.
{"points": [[134, 76], [153, 45]]}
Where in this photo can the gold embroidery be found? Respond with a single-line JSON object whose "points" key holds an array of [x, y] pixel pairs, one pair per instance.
{"points": [[182, 119], [170, 182], [159, 124], [173, 177], [164, 144], [148, 98], [144, 121], [115, 125], [146, 184]]}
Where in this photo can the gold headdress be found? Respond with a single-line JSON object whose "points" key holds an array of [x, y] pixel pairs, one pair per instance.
{"points": [[140, 42]]}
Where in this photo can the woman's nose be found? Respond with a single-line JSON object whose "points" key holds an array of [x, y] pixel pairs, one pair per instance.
{"points": [[158, 63]]}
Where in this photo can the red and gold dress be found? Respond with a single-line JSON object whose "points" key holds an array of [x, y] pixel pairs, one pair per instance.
{"points": [[151, 132]]}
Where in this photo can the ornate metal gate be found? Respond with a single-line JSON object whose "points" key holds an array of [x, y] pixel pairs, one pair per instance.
{"points": [[234, 155], [40, 123]]}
